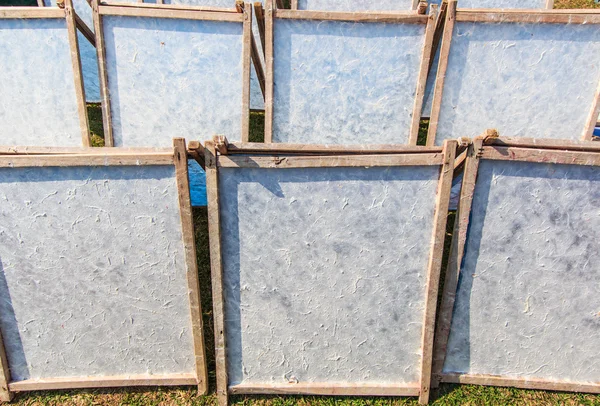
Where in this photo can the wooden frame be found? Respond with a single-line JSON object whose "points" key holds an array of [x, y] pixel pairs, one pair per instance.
{"points": [[234, 15], [272, 13], [508, 149], [548, 16], [415, 4], [67, 157], [71, 17], [267, 157]]}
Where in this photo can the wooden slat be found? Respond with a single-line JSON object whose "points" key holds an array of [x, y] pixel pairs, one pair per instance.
{"points": [[248, 40], [590, 146], [240, 161], [260, 21], [216, 269], [328, 389], [171, 6], [426, 56], [256, 60], [189, 244], [457, 248], [269, 70], [77, 73], [85, 30], [32, 12], [103, 382], [437, 37], [40, 3], [167, 12], [549, 4], [435, 265], [590, 124], [26, 150], [246, 148], [523, 383], [294, 5], [406, 17], [528, 16], [441, 73], [103, 73], [5, 394], [541, 156], [122, 159]]}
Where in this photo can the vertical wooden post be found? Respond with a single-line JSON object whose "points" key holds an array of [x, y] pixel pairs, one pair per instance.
{"points": [[77, 74], [246, 61], [294, 5], [426, 56], [457, 249], [549, 4], [441, 74], [260, 20], [104, 94], [5, 394], [189, 243], [216, 267], [435, 265], [593, 117], [269, 68]]}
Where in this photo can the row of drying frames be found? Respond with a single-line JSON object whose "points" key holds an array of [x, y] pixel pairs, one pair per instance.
{"points": [[330, 77], [325, 267], [320, 284]]}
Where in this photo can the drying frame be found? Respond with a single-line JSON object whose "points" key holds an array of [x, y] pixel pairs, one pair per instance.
{"points": [[242, 15], [252, 155], [548, 16], [73, 21], [22, 157], [416, 16], [500, 149]]}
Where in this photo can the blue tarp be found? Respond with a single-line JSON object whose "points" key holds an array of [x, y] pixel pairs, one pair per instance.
{"points": [[197, 178], [597, 131]]}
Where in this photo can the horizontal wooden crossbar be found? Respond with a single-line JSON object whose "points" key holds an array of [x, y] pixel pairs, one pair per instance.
{"points": [[546, 144], [528, 16], [328, 389], [523, 383], [32, 12], [247, 148], [103, 382], [26, 150], [116, 159], [407, 17], [540, 156], [168, 12], [241, 161], [170, 7]]}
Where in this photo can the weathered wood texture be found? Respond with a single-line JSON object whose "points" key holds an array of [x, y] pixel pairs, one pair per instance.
{"points": [[301, 319], [353, 5]]}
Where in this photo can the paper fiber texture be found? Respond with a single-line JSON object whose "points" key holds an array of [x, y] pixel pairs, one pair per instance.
{"points": [[345, 83], [525, 80], [527, 301], [38, 102], [92, 273], [324, 277], [173, 78]]}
